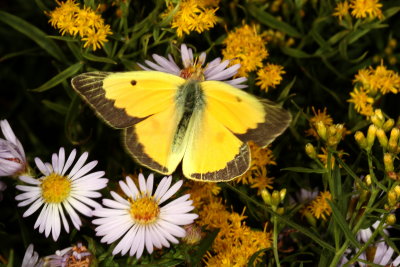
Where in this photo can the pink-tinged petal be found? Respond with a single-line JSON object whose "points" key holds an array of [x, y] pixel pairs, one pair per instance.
{"points": [[34, 207], [61, 160], [29, 180], [134, 190], [85, 169], [69, 162], [42, 167], [81, 161]]}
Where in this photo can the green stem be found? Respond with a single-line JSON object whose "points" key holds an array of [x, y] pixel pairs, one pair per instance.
{"points": [[275, 240]]}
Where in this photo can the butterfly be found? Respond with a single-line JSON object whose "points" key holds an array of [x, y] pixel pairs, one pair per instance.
{"points": [[167, 119]]}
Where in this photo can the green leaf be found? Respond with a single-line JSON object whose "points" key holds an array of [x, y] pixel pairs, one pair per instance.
{"points": [[285, 92], [55, 106], [59, 78], [253, 257], [293, 52], [92, 57], [33, 33], [204, 245], [305, 170], [341, 222], [271, 21]]}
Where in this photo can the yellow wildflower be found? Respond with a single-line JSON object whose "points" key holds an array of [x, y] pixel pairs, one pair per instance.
{"points": [[364, 77], [320, 207], [341, 10], [319, 116], [194, 15], [362, 101], [260, 157], [260, 180], [202, 193], [96, 39], [366, 8], [269, 76], [387, 81], [71, 19], [246, 47]]}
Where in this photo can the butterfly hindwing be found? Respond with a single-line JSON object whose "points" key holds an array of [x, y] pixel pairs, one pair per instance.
{"points": [[214, 154]]}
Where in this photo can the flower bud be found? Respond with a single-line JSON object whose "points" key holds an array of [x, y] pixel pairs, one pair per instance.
{"points": [[393, 140], [391, 219], [388, 161], [388, 125], [361, 140], [321, 130], [310, 151], [392, 198], [280, 211], [377, 118], [193, 234], [368, 180], [397, 190], [371, 136], [266, 196], [380, 133], [282, 194]]}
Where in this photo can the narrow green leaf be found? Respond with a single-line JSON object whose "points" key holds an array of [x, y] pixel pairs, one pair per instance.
{"points": [[204, 245], [56, 107], [293, 52], [92, 57], [350, 171], [305, 170], [271, 21], [65, 74], [341, 222], [33, 33], [285, 92], [11, 259], [253, 257]]}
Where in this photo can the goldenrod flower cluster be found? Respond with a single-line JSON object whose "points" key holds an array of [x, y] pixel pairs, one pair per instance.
{"points": [[193, 15], [319, 207], [246, 47], [257, 174], [69, 18], [370, 84], [236, 242], [361, 9]]}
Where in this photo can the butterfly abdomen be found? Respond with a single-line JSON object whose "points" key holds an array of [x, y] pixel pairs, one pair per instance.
{"points": [[189, 98]]}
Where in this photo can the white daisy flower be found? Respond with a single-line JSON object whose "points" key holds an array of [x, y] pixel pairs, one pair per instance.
{"points": [[364, 234], [140, 220], [56, 192], [31, 258], [12, 155], [193, 68], [77, 255], [382, 257]]}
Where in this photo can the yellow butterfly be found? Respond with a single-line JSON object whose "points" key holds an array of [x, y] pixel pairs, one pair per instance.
{"points": [[193, 116]]}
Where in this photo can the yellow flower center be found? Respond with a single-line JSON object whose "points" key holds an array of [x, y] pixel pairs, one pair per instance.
{"points": [[144, 210], [55, 188]]}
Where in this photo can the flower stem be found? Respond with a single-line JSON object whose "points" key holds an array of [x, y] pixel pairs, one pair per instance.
{"points": [[275, 240]]}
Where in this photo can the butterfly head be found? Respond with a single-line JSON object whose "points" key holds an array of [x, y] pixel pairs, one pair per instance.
{"points": [[194, 71]]}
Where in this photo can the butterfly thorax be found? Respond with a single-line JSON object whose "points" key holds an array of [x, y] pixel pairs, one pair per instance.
{"points": [[189, 99], [193, 73]]}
